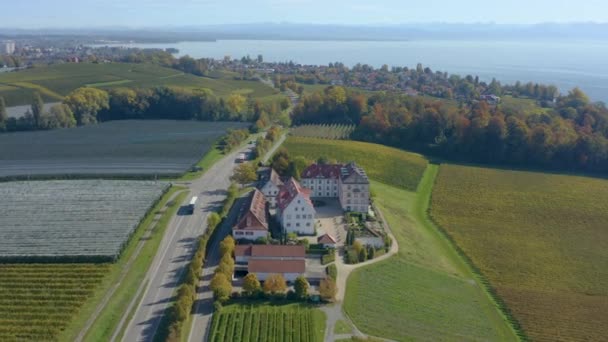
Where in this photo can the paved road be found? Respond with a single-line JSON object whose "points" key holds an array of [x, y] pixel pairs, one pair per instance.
{"points": [[177, 248]]}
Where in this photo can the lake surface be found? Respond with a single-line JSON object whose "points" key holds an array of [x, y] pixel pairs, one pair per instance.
{"points": [[564, 64]]}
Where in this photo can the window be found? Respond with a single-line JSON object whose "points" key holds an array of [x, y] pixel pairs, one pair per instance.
{"points": [[288, 217], [308, 224], [249, 233], [296, 208], [310, 216], [238, 233], [348, 187], [328, 194], [348, 202], [298, 201], [348, 194], [312, 187], [297, 224], [297, 217]]}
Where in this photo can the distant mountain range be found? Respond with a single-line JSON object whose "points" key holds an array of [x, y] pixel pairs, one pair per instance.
{"points": [[292, 31]]}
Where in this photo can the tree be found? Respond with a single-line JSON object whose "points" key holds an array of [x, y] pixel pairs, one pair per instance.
{"points": [[301, 287], [61, 116], [236, 103], [328, 289], [37, 110], [3, 114], [275, 283], [362, 254], [245, 173], [221, 287], [85, 103], [251, 284], [213, 220], [227, 246], [357, 246]]}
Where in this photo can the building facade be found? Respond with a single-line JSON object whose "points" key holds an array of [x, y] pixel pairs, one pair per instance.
{"points": [[270, 185], [253, 219], [264, 260], [347, 182], [295, 210], [8, 47]]}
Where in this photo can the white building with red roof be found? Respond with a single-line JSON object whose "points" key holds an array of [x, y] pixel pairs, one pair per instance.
{"points": [[253, 219], [295, 211], [270, 185], [347, 182], [264, 260]]}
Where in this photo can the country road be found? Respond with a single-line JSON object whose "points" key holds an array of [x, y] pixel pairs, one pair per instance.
{"points": [[177, 248]]}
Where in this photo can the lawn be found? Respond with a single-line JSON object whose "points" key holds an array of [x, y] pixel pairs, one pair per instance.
{"points": [[122, 148], [521, 105], [37, 301], [540, 239], [386, 164], [268, 322], [55, 81], [425, 292]]}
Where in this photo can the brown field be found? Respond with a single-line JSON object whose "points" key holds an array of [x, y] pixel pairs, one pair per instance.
{"points": [[540, 239]]}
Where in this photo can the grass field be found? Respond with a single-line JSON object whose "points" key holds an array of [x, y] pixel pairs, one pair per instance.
{"points": [[540, 239], [55, 81], [385, 164], [293, 322], [37, 301], [123, 148], [522, 105], [425, 292]]}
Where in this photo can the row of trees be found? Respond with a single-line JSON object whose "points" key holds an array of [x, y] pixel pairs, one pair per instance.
{"points": [[86, 106], [573, 135]]}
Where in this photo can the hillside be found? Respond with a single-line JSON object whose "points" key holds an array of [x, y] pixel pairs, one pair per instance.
{"points": [[55, 81], [540, 239]]}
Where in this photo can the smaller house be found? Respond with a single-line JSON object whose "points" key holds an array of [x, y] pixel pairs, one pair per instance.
{"points": [[327, 241], [490, 99], [270, 185], [252, 223], [289, 269]]}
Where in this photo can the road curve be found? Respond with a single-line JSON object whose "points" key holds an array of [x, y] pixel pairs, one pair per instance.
{"points": [[177, 248]]}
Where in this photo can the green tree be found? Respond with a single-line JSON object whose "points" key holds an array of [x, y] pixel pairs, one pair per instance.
{"points": [[328, 289], [357, 246], [227, 246], [213, 220], [61, 116], [275, 283], [251, 284], [221, 287], [236, 104], [3, 114], [37, 110], [301, 287], [245, 173], [362, 254], [86, 103]]}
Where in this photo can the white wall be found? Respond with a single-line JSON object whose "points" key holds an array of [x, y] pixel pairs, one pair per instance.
{"points": [[290, 277], [321, 187], [249, 234], [270, 191], [299, 216]]}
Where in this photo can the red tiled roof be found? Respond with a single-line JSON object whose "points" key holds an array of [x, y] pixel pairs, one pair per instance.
{"points": [[289, 191], [253, 216], [277, 266], [271, 251], [326, 171], [326, 239]]}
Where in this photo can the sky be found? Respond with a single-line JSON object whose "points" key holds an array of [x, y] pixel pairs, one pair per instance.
{"points": [[158, 13]]}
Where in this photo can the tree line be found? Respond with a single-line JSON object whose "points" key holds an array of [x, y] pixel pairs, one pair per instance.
{"points": [[86, 106], [572, 135]]}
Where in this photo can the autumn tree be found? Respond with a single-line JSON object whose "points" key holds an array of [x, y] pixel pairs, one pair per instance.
{"points": [[301, 287], [328, 289], [251, 284], [245, 173], [227, 246], [85, 103], [213, 220], [236, 103], [275, 283], [221, 287], [60, 116]]}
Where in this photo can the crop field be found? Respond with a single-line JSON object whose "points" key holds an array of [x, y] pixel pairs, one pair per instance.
{"points": [[55, 81], [37, 301], [424, 292], [267, 323], [388, 165], [541, 241], [158, 147], [87, 220], [325, 131]]}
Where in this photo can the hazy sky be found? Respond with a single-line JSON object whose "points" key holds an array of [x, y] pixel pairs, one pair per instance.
{"points": [[78, 13]]}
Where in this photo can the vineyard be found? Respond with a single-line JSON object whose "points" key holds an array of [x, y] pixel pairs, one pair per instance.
{"points": [[541, 241], [267, 323], [385, 164], [37, 301], [325, 131], [72, 220]]}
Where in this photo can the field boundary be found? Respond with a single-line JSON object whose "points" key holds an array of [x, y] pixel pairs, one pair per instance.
{"points": [[486, 285]]}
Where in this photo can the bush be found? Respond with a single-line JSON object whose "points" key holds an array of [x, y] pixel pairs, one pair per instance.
{"points": [[328, 258], [332, 271]]}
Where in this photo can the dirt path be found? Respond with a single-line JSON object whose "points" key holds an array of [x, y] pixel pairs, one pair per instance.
{"points": [[123, 274]]}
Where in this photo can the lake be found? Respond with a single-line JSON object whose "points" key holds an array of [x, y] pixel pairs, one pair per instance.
{"points": [[564, 64]]}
